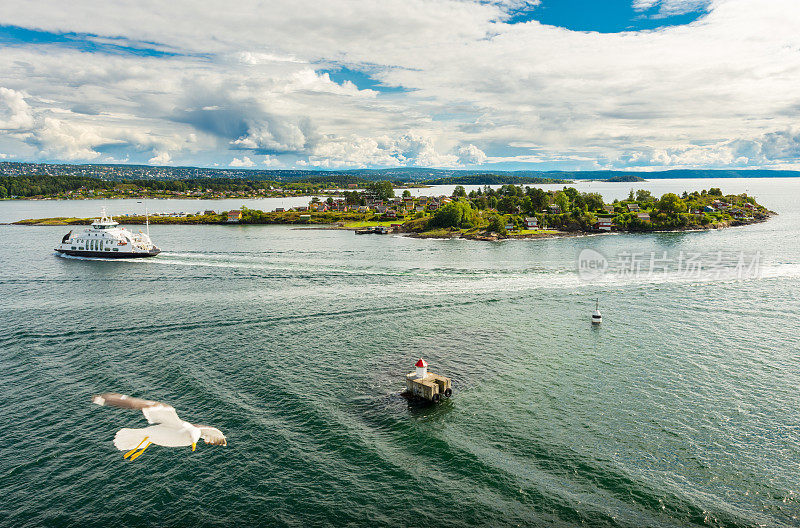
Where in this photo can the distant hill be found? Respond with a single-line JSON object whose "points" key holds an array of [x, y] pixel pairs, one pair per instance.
{"points": [[343, 177], [678, 173], [492, 179]]}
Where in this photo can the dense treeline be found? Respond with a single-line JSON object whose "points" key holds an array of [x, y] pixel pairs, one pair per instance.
{"points": [[493, 179], [46, 185]]}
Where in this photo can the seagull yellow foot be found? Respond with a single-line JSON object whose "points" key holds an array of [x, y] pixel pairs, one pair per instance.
{"points": [[194, 444], [135, 456], [132, 451]]}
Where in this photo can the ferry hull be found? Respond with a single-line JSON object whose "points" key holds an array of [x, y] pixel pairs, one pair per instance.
{"points": [[108, 254]]}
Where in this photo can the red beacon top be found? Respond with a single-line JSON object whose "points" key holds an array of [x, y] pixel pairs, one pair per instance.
{"points": [[421, 363]]}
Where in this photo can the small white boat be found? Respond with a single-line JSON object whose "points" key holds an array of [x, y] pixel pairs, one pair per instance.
{"points": [[106, 239], [597, 317]]}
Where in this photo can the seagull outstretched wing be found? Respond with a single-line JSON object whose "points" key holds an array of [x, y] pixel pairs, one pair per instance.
{"points": [[212, 435], [155, 412]]}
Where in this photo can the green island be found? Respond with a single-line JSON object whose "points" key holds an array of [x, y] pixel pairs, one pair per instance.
{"points": [[508, 212], [625, 178]]}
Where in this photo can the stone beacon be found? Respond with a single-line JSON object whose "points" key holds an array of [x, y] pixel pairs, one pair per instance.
{"points": [[426, 385]]}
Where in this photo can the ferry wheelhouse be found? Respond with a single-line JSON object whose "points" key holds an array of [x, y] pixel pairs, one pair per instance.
{"points": [[106, 239]]}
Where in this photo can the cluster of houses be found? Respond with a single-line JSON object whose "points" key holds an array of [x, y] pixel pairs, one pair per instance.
{"points": [[744, 212], [391, 208], [277, 192]]}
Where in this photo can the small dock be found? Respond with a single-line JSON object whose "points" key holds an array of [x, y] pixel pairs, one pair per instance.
{"points": [[376, 230], [425, 385]]}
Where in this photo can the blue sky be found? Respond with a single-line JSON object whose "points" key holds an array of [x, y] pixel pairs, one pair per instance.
{"points": [[503, 84], [606, 16]]}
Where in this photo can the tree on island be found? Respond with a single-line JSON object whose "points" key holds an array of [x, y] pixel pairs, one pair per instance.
{"points": [[352, 198], [497, 224], [539, 199], [454, 214], [381, 190], [561, 201], [671, 203], [593, 201]]}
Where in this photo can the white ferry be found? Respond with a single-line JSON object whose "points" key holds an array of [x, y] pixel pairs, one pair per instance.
{"points": [[106, 239]]}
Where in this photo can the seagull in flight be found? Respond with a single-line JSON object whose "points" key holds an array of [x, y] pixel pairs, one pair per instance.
{"points": [[167, 430]]}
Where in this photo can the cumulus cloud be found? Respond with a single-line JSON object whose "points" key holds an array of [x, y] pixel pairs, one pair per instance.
{"points": [[410, 149], [161, 158], [471, 155], [771, 150], [244, 162], [15, 113], [66, 140]]}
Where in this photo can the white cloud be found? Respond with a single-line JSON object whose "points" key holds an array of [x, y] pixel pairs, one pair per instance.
{"points": [[410, 149], [244, 162], [66, 140], [15, 113], [161, 158], [471, 155], [671, 7]]}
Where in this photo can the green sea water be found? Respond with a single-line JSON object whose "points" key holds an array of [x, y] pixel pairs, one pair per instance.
{"points": [[681, 409]]}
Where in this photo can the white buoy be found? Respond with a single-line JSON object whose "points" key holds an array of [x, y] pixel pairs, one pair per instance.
{"points": [[422, 369], [597, 317]]}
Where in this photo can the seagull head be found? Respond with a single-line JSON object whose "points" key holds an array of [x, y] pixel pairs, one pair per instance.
{"points": [[194, 432]]}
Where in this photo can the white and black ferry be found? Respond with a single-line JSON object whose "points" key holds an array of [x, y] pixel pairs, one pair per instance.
{"points": [[106, 239]]}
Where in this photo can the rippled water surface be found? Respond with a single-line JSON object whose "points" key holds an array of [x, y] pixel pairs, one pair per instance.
{"points": [[682, 409]]}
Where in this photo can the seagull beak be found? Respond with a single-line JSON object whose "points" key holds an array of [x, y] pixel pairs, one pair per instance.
{"points": [[194, 444]]}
